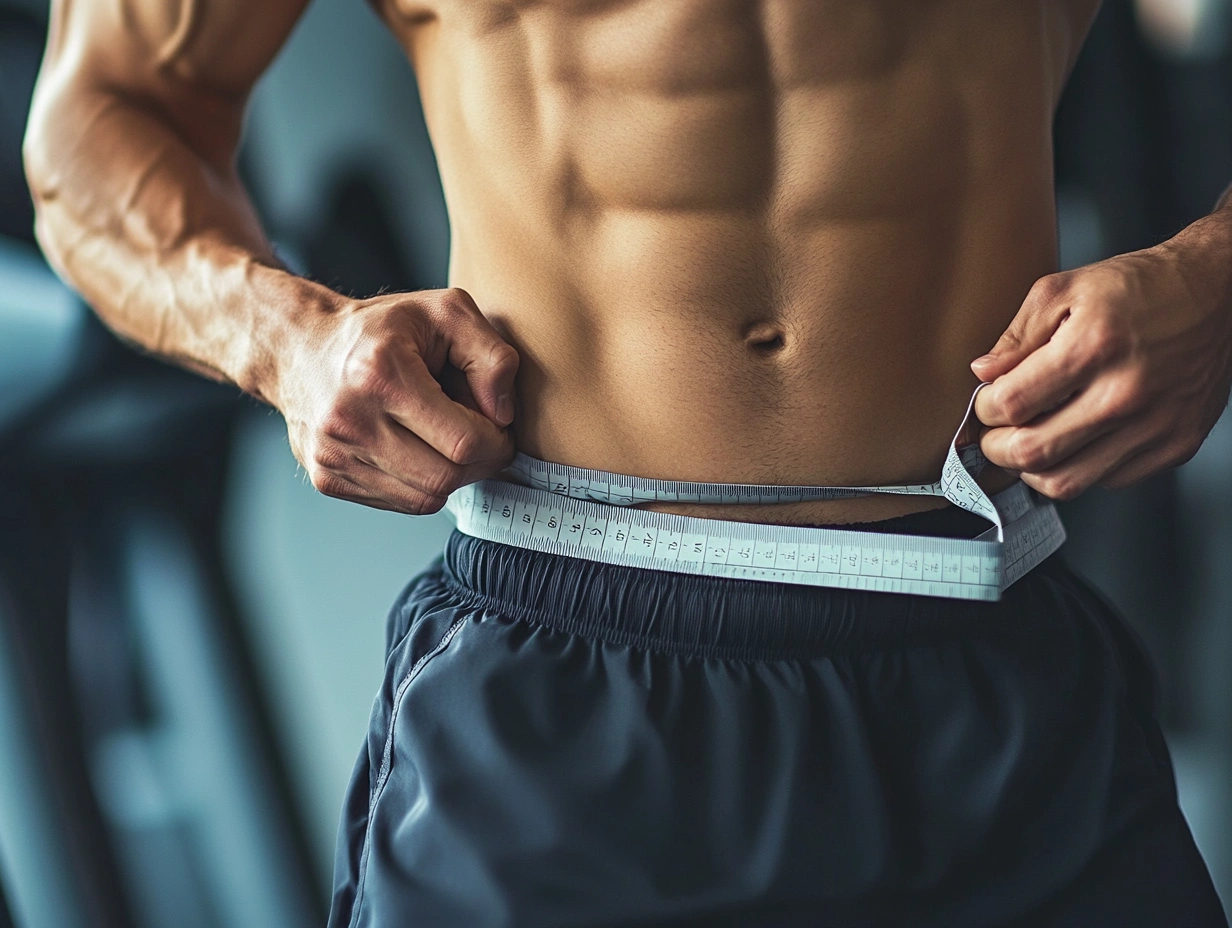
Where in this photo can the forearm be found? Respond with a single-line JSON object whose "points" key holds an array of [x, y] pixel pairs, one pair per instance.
{"points": [[1202, 255], [162, 240]]}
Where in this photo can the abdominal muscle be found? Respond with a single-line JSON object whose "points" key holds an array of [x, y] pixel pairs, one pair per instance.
{"points": [[747, 243]]}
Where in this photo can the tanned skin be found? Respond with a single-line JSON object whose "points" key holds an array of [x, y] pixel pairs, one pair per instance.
{"points": [[720, 240]]}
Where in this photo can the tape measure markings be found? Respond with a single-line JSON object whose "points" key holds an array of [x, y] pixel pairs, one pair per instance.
{"points": [[584, 513], [956, 568]]}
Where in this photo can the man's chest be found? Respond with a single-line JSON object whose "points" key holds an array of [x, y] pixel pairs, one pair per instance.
{"points": [[789, 42]]}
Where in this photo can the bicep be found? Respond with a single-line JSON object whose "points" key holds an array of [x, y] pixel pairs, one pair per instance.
{"points": [[192, 61]]}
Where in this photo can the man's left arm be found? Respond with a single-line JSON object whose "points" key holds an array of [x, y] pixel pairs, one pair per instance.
{"points": [[1116, 371]]}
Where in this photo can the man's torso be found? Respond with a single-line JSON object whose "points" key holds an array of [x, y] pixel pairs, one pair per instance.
{"points": [[746, 241]]}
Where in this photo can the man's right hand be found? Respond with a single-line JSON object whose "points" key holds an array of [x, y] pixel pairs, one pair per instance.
{"points": [[367, 414], [131, 154]]}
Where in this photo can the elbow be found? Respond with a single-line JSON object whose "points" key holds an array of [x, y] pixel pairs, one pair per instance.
{"points": [[46, 119], [42, 176], [49, 230], [55, 131], [41, 179]]}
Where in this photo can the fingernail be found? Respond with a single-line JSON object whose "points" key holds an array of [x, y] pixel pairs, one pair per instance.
{"points": [[504, 409], [984, 359]]}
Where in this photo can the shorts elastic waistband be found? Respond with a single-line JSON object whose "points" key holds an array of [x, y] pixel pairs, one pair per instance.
{"points": [[717, 616]]}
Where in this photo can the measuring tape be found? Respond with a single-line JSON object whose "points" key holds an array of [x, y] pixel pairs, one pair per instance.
{"points": [[590, 514]]}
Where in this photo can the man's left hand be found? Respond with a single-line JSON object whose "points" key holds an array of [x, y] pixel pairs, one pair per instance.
{"points": [[1116, 371]]}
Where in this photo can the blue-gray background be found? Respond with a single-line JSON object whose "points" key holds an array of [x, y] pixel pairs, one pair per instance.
{"points": [[191, 637]]}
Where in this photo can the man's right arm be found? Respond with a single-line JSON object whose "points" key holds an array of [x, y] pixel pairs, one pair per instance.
{"points": [[130, 153]]}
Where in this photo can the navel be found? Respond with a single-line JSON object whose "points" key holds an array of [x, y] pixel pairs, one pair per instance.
{"points": [[765, 337]]}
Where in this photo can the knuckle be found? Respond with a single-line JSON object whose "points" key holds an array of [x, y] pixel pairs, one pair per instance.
{"points": [[1060, 487], [503, 358], [329, 484], [1123, 396], [441, 481], [421, 504], [369, 371], [329, 458], [1047, 289], [340, 427], [1184, 450], [1010, 340], [465, 449], [1014, 406], [373, 382], [1025, 452], [1068, 490], [1104, 340], [456, 300]]}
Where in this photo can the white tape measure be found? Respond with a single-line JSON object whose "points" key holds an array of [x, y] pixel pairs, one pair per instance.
{"points": [[587, 514]]}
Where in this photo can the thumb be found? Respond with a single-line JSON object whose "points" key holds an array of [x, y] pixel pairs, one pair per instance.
{"points": [[1041, 313], [488, 362]]}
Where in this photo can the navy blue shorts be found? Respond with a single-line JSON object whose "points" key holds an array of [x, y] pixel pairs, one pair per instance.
{"points": [[564, 743]]}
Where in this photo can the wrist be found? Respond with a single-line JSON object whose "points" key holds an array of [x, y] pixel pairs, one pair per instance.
{"points": [[1202, 255], [291, 318]]}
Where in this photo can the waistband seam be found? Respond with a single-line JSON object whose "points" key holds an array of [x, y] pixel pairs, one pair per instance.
{"points": [[594, 631], [597, 632]]}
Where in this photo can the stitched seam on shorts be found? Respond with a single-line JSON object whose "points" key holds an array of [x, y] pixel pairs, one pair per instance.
{"points": [[750, 655], [387, 756], [573, 627]]}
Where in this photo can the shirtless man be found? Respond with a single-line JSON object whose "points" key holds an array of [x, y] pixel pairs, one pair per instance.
{"points": [[751, 241]]}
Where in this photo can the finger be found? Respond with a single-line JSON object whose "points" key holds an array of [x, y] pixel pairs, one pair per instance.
{"points": [[1038, 385], [340, 474], [488, 361], [396, 494], [1090, 465], [460, 434], [337, 486], [1051, 439], [1037, 319], [453, 382], [412, 462], [1042, 381], [1080, 350]]}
